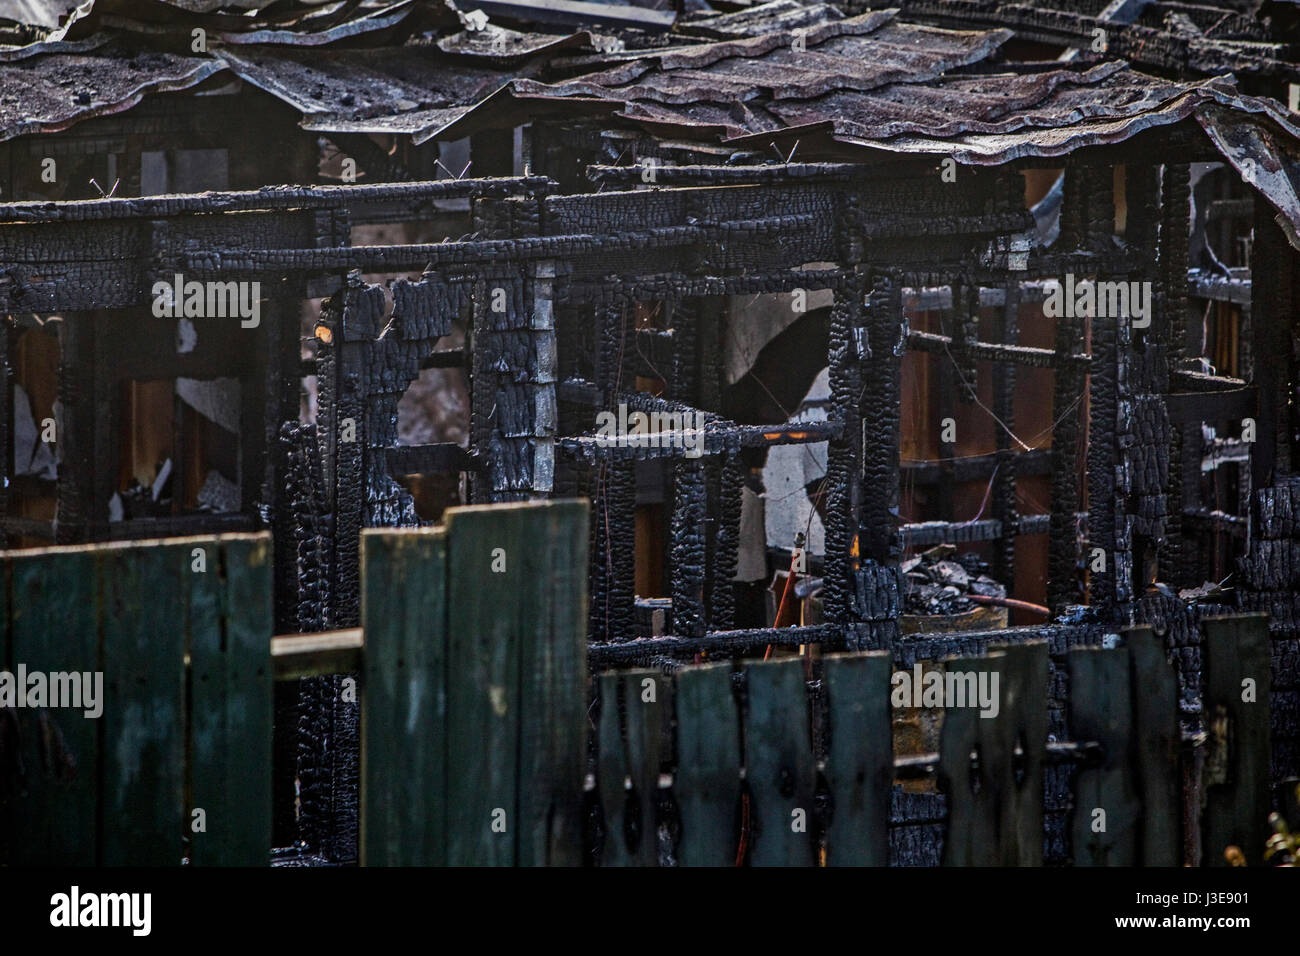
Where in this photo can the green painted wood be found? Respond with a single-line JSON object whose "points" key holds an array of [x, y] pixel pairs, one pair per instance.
{"points": [[1236, 776], [779, 764], [516, 683], [553, 681], [1104, 825], [860, 764], [995, 809], [969, 773], [1024, 727], [613, 775], [706, 784], [633, 748], [1158, 742], [231, 688], [144, 589], [486, 614], [403, 698], [53, 612]]}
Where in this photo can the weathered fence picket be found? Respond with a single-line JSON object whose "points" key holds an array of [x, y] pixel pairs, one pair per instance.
{"points": [[1157, 748], [1236, 703], [475, 689], [707, 782], [635, 731], [779, 764], [404, 699], [1106, 809], [860, 762], [991, 767]]}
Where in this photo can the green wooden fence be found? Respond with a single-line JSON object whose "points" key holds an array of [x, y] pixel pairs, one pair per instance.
{"points": [[180, 631], [476, 715]]}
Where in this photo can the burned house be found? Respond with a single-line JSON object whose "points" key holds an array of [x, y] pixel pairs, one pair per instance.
{"points": [[1021, 279]]}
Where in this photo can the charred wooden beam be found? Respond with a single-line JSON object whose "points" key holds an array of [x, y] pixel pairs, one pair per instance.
{"points": [[722, 439], [1006, 470], [1017, 354], [980, 467], [716, 644], [429, 459]]}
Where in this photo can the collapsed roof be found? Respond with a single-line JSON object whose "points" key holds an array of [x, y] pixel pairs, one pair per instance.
{"points": [[872, 85]]}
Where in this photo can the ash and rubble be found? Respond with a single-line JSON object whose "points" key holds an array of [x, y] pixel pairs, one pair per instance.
{"points": [[940, 581]]}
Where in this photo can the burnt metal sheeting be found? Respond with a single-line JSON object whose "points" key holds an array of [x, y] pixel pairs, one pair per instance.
{"points": [[884, 85], [776, 17], [52, 92], [1267, 160], [292, 24], [1199, 38], [1056, 131], [500, 43], [409, 90]]}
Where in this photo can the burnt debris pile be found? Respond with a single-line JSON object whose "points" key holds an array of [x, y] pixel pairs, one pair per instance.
{"points": [[940, 581]]}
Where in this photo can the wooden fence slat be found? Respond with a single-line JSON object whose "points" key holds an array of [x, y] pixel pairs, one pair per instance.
{"points": [[403, 698], [486, 613], [860, 765], [778, 763], [552, 711], [706, 784], [1104, 825], [230, 710], [995, 807], [612, 774], [1024, 701], [517, 676], [1158, 740], [56, 808], [1237, 798], [971, 833], [144, 590], [632, 749]]}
